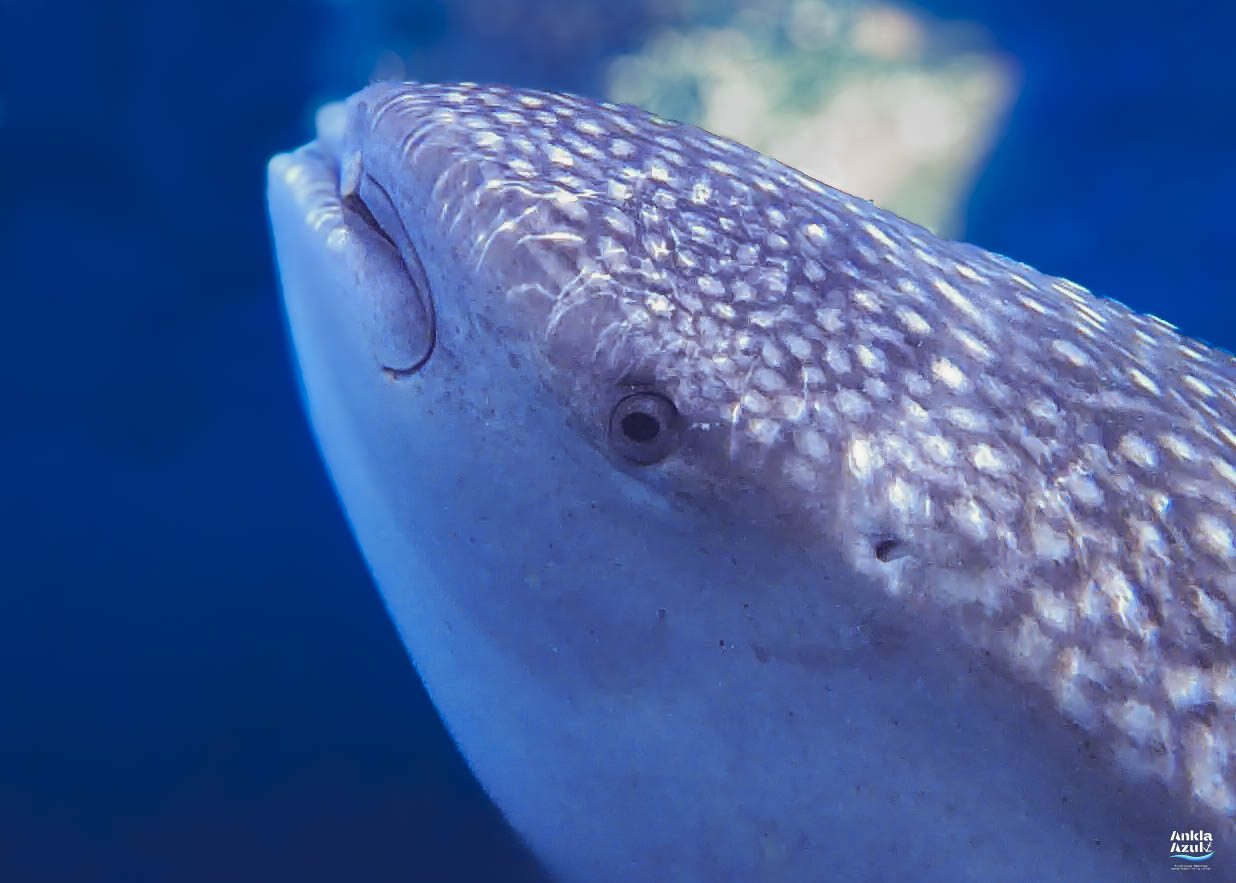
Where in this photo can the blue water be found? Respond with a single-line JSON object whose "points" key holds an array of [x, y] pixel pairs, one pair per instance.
{"points": [[197, 682]]}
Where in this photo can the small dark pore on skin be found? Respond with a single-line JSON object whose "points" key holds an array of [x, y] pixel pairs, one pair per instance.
{"points": [[886, 550]]}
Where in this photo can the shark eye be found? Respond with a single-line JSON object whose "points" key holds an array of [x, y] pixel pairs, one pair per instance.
{"points": [[644, 427]]}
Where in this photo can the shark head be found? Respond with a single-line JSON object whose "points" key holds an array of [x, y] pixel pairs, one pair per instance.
{"points": [[570, 250], [733, 522]]}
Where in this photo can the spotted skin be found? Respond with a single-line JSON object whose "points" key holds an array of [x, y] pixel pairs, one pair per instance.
{"points": [[1054, 471], [1046, 472]]}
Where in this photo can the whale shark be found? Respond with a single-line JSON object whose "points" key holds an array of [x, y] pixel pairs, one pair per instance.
{"points": [[741, 530]]}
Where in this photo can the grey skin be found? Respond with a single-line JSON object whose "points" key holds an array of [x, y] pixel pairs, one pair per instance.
{"points": [[743, 531]]}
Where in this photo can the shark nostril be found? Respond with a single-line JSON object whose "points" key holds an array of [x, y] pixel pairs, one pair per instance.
{"points": [[401, 319]]}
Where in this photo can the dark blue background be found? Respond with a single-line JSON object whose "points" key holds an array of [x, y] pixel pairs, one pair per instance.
{"points": [[197, 682]]}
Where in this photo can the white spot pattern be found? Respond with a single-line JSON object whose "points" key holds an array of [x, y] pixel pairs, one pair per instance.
{"points": [[1073, 460]]}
